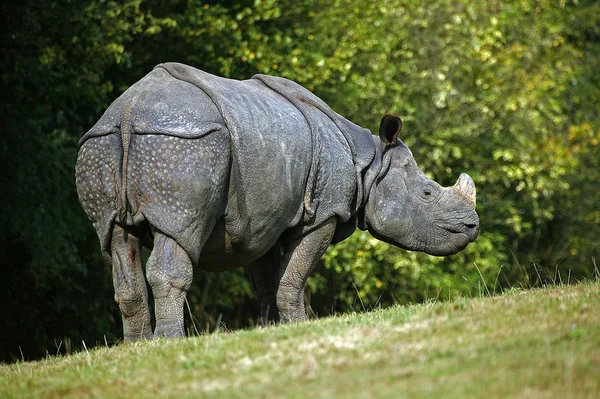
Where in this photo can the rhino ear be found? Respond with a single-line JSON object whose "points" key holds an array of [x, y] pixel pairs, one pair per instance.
{"points": [[389, 128]]}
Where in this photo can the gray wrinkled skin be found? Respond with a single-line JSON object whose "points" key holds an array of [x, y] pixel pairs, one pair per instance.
{"points": [[215, 173]]}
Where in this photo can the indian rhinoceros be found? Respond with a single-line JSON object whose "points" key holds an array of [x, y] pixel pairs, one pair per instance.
{"points": [[217, 173]]}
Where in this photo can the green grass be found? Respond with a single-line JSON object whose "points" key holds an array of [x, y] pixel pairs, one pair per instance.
{"points": [[542, 343]]}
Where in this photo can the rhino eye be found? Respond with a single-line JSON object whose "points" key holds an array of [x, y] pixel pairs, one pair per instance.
{"points": [[427, 193]]}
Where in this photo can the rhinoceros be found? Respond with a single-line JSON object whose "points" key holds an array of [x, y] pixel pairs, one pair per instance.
{"points": [[214, 173]]}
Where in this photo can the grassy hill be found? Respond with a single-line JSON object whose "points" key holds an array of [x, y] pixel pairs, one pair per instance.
{"points": [[542, 343]]}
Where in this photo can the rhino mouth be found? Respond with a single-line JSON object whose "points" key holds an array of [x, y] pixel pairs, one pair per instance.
{"points": [[468, 229]]}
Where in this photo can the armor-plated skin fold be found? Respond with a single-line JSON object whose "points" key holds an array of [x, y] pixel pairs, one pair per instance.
{"points": [[215, 173]]}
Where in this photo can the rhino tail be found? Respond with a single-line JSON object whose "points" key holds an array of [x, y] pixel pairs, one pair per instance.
{"points": [[124, 208]]}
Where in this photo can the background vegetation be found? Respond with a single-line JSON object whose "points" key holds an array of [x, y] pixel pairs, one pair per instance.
{"points": [[507, 91]]}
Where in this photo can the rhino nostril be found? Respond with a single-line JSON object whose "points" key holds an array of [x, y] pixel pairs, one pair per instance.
{"points": [[471, 225]]}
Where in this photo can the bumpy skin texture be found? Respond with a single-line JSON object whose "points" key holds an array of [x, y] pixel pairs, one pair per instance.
{"points": [[216, 173]]}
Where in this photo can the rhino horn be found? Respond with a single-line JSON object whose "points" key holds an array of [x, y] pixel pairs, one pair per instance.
{"points": [[465, 188]]}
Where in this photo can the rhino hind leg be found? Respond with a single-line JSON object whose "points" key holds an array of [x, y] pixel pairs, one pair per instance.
{"points": [[299, 259], [169, 272], [263, 274], [130, 284]]}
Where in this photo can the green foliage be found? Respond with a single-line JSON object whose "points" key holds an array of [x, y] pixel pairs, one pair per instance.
{"points": [[495, 92], [506, 92]]}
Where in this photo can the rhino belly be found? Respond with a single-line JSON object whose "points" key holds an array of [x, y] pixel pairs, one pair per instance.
{"points": [[218, 254], [256, 217]]}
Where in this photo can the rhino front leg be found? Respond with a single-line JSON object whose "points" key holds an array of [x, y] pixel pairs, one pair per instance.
{"points": [[299, 260], [263, 275], [169, 273], [130, 285]]}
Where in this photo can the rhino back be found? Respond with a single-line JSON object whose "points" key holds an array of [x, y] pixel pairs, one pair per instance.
{"points": [[162, 105]]}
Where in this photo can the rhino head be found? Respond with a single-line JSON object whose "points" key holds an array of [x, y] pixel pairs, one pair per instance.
{"points": [[407, 209]]}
